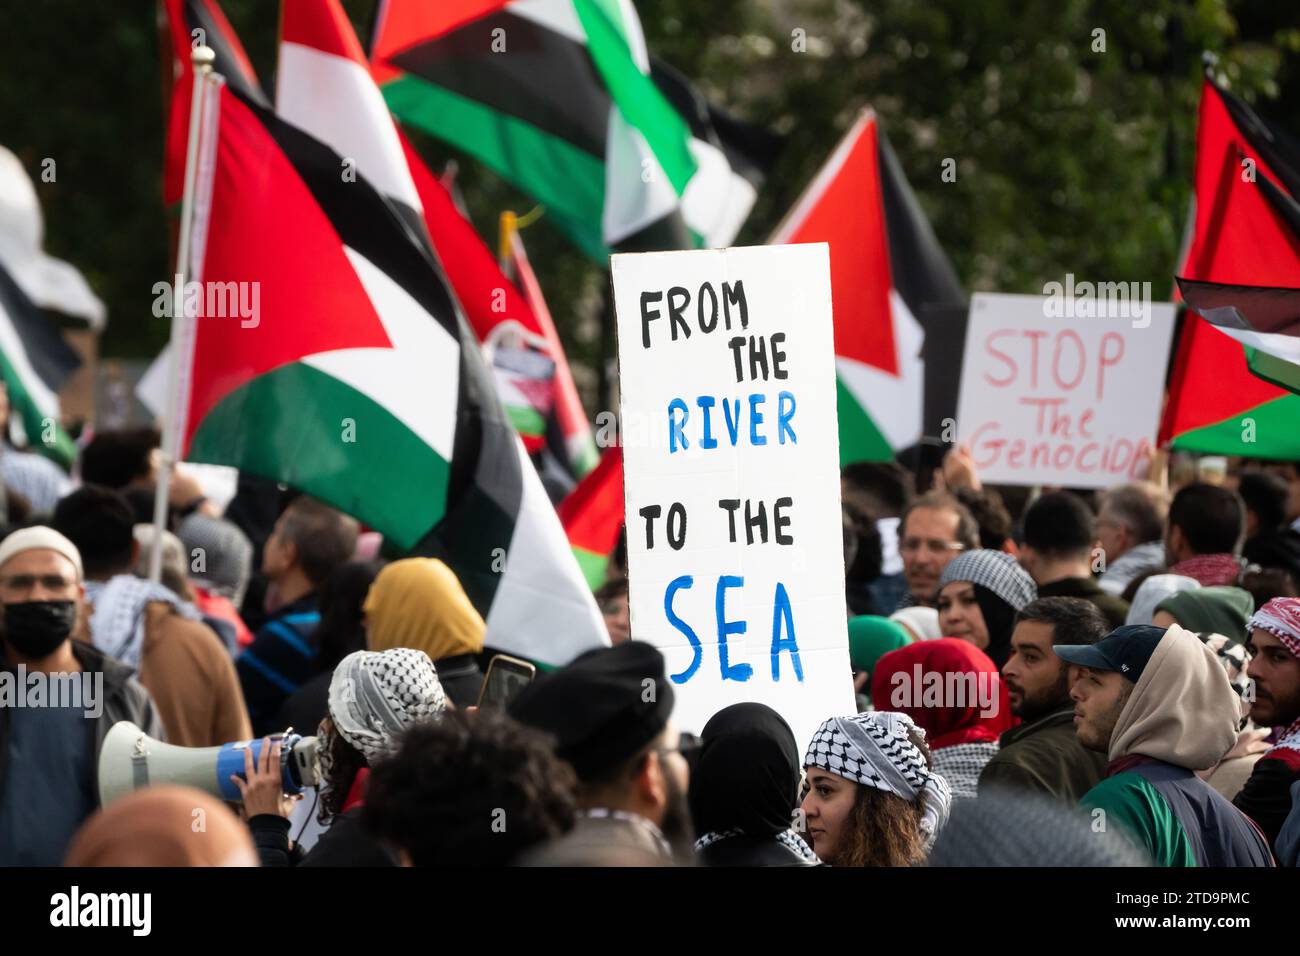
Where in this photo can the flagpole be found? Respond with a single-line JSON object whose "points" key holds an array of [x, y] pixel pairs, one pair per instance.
{"points": [[201, 60]]}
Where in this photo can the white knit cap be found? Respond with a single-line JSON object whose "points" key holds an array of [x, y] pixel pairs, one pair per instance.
{"points": [[28, 539]]}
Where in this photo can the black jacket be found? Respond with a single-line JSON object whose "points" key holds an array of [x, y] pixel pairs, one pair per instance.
{"points": [[123, 699], [345, 843]]}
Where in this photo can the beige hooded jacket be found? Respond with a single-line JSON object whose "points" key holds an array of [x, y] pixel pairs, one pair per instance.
{"points": [[1183, 710]]}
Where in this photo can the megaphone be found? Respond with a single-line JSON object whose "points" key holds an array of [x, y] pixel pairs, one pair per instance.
{"points": [[131, 759]]}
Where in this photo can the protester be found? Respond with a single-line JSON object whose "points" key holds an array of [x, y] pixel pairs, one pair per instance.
{"points": [[373, 698], [1287, 847], [179, 659], [159, 826], [1154, 590], [934, 529], [921, 622], [309, 543], [470, 790], [611, 598], [1157, 703], [610, 714], [48, 761], [341, 632], [979, 595], [1043, 753], [1214, 610], [1059, 533], [1206, 524], [1130, 529], [873, 798], [744, 790], [1275, 670], [952, 691], [419, 603]]}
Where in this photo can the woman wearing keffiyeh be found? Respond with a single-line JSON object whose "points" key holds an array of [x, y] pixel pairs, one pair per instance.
{"points": [[873, 799]]}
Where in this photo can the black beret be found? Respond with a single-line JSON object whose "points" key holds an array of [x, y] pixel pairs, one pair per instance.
{"points": [[600, 708]]}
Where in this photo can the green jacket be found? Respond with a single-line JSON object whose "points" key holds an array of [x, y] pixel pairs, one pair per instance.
{"points": [[1045, 756]]}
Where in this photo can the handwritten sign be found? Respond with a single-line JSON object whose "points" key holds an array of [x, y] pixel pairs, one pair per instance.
{"points": [[731, 464], [1061, 396]]}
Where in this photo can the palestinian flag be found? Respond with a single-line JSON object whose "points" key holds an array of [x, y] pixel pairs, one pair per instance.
{"points": [[593, 516], [558, 97], [34, 362], [1246, 231], [324, 88], [359, 382], [893, 291], [566, 432], [1264, 319]]}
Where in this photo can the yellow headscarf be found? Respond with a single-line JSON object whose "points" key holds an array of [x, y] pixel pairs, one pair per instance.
{"points": [[419, 603]]}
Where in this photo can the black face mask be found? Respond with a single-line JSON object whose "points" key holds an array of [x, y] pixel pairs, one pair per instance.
{"points": [[36, 628]]}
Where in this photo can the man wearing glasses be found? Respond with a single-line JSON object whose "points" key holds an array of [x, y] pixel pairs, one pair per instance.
{"points": [[934, 529], [58, 699]]}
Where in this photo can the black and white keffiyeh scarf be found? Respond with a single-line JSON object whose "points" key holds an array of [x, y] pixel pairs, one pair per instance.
{"points": [[117, 619], [873, 749], [375, 695], [787, 838]]}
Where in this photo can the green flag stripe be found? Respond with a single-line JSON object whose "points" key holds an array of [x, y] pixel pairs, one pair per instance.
{"points": [[298, 425], [1274, 370], [636, 96], [61, 450], [594, 566], [860, 438], [1264, 431], [568, 181]]}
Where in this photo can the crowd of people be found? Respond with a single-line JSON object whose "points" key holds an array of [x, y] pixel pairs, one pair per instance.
{"points": [[1058, 679]]}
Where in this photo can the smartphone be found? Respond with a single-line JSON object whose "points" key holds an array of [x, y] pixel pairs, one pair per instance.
{"points": [[506, 676]]}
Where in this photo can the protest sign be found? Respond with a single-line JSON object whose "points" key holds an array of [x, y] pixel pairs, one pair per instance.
{"points": [[1062, 393], [731, 462]]}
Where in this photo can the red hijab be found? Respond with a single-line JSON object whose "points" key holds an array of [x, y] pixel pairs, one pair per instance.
{"points": [[947, 708]]}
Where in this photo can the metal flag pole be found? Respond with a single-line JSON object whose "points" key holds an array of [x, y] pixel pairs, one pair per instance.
{"points": [[201, 60]]}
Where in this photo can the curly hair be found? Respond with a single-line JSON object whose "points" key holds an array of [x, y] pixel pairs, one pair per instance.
{"points": [[470, 789], [346, 760], [883, 829]]}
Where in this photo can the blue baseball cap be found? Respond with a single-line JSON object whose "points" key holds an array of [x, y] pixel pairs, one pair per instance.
{"points": [[1124, 650]]}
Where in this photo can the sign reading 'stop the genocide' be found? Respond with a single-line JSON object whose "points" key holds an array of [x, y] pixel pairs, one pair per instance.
{"points": [[731, 458], [1062, 396]]}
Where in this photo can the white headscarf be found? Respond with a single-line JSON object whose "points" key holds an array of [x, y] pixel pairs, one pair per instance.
{"points": [[921, 622], [1153, 591]]}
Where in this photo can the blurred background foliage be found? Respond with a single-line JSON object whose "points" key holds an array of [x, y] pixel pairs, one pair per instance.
{"points": [[1068, 158]]}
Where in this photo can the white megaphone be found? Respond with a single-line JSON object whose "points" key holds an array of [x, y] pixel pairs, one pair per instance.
{"points": [[131, 759]]}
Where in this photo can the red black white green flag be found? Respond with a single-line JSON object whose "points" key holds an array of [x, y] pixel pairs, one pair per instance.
{"points": [[1246, 231]]}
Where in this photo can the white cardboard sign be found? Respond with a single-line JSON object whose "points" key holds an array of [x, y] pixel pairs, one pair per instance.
{"points": [[731, 472], [1058, 393]]}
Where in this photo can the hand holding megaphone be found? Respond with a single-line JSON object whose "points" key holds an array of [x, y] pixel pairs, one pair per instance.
{"points": [[131, 759], [261, 786]]}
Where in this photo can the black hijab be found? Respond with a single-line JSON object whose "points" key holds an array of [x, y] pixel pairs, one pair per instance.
{"points": [[746, 774], [999, 620]]}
